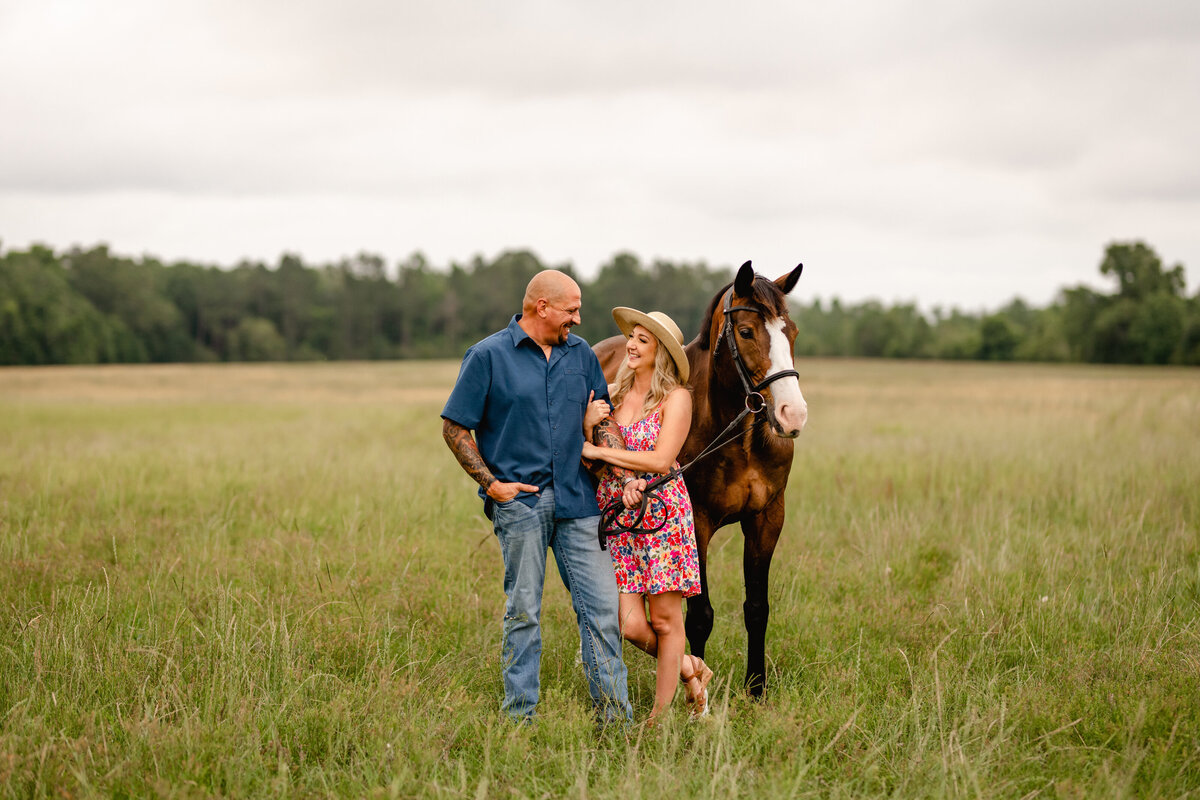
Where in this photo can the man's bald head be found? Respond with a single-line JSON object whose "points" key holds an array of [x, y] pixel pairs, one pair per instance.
{"points": [[550, 285], [551, 307]]}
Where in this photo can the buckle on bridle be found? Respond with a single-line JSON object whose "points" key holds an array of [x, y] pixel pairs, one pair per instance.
{"points": [[755, 402]]}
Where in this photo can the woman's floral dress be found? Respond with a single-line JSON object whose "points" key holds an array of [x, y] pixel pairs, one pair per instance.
{"points": [[665, 560]]}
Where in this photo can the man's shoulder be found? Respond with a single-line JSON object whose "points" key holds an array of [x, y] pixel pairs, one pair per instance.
{"points": [[492, 343], [585, 355]]}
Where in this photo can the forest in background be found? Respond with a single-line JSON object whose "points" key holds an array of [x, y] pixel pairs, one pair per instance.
{"points": [[89, 306]]}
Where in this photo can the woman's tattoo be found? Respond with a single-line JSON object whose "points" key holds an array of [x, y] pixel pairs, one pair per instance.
{"points": [[466, 451], [607, 433]]}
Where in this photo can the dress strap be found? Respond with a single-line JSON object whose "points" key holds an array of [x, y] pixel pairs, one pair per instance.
{"points": [[656, 411]]}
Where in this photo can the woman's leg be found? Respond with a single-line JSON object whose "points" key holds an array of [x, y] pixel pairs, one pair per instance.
{"points": [[634, 626], [638, 631], [666, 619]]}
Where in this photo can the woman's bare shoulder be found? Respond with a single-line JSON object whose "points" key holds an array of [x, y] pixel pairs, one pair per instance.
{"points": [[679, 394], [678, 398]]}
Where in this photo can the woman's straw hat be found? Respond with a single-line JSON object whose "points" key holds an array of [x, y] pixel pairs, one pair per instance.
{"points": [[663, 328]]}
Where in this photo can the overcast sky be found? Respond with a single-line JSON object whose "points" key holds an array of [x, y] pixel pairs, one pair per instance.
{"points": [[955, 153]]}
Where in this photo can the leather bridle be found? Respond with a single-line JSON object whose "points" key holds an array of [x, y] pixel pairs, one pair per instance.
{"points": [[755, 402], [753, 390]]}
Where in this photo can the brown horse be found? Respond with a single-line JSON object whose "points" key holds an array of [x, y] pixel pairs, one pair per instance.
{"points": [[739, 361]]}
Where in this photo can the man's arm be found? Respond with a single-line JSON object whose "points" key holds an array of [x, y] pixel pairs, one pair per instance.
{"points": [[462, 444], [606, 432]]}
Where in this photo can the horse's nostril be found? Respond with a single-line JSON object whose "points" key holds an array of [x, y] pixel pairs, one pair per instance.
{"points": [[795, 417]]}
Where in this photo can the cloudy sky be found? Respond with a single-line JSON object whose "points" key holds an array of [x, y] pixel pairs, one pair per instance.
{"points": [[954, 153]]}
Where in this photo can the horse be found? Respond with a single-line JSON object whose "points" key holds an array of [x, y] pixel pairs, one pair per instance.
{"points": [[741, 364]]}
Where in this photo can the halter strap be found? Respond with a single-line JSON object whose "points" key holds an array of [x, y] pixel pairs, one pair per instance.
{"points": [[751, 389]]}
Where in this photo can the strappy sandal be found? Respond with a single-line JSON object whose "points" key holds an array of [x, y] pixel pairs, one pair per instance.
{"points": [[699, 700]]}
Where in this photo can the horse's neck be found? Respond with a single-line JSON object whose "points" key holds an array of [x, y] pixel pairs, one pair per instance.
{"points": [[723, 399]]}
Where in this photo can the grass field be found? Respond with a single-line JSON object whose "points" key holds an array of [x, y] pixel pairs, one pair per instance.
{"points": [[259, 581]]}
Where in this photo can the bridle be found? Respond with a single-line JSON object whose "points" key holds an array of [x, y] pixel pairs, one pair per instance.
{"points": [[752, 390], [755, 402]]}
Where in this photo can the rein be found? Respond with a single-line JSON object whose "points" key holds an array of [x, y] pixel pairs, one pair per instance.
{"points": [[755, 402]]}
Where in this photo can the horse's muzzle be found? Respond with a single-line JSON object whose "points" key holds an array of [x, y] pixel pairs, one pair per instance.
{"points": [[789, 419]]}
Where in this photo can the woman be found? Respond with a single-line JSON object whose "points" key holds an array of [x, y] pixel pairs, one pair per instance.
{"points": [[654, 571]]}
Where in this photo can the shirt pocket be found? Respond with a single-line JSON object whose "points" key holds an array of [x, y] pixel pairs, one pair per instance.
{"points": [[574, 386]]}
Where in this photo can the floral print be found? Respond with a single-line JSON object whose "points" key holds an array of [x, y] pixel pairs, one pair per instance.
{"points": [[665, 560]]}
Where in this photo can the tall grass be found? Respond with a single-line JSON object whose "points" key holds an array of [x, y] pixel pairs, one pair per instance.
{"points": [[275, 581]]}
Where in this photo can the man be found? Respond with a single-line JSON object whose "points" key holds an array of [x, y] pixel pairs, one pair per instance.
{"points": [[524, 391]]}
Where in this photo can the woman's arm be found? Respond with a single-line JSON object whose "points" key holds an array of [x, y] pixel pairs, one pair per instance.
{"points": [[676, 420], [599, 428], [595, 411]]}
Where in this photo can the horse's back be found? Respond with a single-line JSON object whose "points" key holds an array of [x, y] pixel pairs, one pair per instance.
{"points": [[611, 352]]}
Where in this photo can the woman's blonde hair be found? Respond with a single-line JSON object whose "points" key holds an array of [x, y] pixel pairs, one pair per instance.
{"points": [[664, 380]]}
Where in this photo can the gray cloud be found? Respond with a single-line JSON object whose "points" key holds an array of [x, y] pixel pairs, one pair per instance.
{"points": [[942, 140]]}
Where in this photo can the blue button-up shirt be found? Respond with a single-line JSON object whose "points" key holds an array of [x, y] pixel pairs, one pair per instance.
{"points": [[527, 413]]}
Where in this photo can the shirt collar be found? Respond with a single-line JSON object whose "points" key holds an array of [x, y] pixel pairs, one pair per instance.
{"points": [[518, 334]]}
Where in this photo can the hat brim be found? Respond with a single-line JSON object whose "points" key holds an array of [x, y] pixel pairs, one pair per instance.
{"points": [[626, 318]]}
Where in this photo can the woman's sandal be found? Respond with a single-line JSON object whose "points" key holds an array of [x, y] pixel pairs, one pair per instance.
{"points": [[698, 699]]}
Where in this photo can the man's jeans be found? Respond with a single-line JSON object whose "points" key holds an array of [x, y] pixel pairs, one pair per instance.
{"points": [[587, 572]]}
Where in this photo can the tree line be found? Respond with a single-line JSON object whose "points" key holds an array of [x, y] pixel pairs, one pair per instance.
{"points": [[90, 306]]}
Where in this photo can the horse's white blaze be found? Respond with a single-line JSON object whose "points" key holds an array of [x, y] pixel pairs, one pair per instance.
{"points": [[790, 409]]}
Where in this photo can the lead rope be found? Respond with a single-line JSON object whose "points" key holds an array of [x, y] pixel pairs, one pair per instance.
{"points": [[610, 517]]}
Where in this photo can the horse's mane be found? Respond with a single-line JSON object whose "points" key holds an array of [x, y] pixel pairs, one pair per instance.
{"points": [[763, 292]]}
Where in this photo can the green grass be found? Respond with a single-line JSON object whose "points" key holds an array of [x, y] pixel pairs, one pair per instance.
{"points": [[275, 581]]}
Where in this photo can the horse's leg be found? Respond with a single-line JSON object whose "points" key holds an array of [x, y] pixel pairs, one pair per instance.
{"points": [[761, 532], [698, 623]]}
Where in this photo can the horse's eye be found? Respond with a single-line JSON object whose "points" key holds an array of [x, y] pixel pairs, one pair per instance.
{"points": [[746, 333]]}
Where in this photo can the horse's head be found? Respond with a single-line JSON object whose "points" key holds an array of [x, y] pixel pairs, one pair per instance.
{"points": [[764, 338]]}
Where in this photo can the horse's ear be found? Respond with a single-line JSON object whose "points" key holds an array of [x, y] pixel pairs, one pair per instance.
{"points": [[744, 281], [788, 282]]}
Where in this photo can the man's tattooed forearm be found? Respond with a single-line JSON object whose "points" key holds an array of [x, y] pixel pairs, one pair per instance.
{"points": [[608, 434], [459, 440]]}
